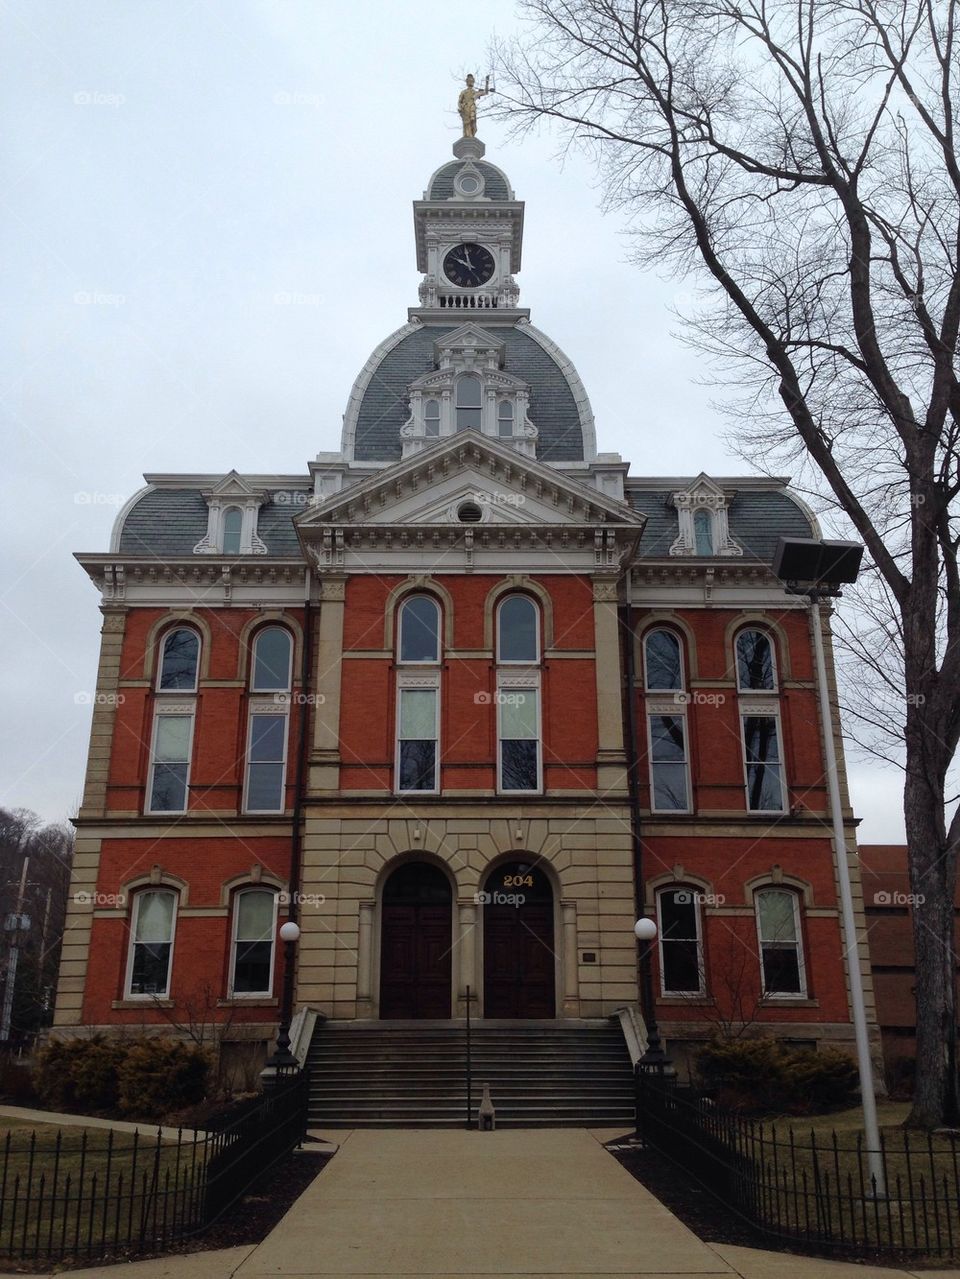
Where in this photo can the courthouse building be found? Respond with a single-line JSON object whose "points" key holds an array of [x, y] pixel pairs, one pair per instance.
{"points": [[402, 695]]}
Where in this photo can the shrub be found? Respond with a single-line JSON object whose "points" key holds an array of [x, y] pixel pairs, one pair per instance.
{"points": [[79, 1074], [763, 1076], [161, 1076]]}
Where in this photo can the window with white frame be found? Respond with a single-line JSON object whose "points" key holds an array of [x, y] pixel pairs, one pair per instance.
{"points": [[763, 760], [151, 943], [168, 783], [254, 930], [419, 627], [469, 402], [681, 943], [518, 631], [179, 661], [756, 662], [781, 945], [418, 730], [265, 783], [431, 417], [518, 724], [669, 767], [703, 532], [505, 418], [663, 661], [232, 530]]}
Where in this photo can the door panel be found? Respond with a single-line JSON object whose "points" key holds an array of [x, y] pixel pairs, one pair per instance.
{"points": [[415, 945], [519, 963]]}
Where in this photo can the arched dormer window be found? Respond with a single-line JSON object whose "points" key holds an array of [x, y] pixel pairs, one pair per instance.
{"points": [[179, 661], [268, 729], [419, 629], [518, 630], [662, 661], [232, 530], [756, 662], [703, 533], [469, 402], [505, 419], [431, 418]]}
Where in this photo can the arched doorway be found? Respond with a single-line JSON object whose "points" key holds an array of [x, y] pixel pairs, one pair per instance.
{"points": [[519, 961], [415, 943]]}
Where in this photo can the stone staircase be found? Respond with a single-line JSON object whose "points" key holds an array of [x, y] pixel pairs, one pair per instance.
{"points": [[413, 1074]]}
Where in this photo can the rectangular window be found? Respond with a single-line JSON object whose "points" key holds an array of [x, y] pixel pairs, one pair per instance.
{"points": [[669, 786], [681, 961], [254, 925], [781, 952], [170, 763], [151, 943], [417, 739], [266, 763], [518, 715], [761, 750]]}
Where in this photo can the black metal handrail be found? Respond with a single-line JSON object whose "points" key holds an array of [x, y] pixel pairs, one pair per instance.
{"points": [[469, 1065]]}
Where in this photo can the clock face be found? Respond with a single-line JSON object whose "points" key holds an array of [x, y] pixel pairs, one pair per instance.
{"points": [[468, 265]]}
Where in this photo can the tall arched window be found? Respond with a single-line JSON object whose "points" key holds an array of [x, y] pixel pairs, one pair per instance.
{"points": [[151, 943], [756, 663], [781, 945], [232, 529], [272, 655], [268, 728], [469, 402], [254, 928], [419, 629], [518, 638], [703, 532], [431, 417], [520, 762], [179, 661], [681, 943], [663, 661], [504, 418]]}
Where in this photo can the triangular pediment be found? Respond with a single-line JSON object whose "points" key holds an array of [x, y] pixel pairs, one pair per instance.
{"points": [[469, 338], [430, 487], [233, 485]]}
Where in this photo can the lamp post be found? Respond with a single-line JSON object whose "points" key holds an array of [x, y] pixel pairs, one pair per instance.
{"points": [[654, 1059], [817, 570], [282, 1059]]}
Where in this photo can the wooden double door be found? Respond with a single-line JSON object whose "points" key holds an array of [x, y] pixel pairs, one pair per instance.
{"points": [[416, 943], [519, 958]]}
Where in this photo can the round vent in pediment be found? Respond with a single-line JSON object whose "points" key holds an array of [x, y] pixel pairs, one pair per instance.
{"points": [[469, 513]]}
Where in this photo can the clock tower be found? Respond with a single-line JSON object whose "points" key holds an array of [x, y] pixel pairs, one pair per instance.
{"points": [[469, 235]]}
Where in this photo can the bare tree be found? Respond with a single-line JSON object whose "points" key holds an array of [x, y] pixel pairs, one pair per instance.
{"points": [[799, 157]]}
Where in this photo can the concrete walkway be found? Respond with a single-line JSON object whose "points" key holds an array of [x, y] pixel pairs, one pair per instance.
{"points": [[551, 1204]]}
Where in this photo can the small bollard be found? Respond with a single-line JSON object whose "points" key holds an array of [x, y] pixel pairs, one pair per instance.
{"points": [[486, 1115]]}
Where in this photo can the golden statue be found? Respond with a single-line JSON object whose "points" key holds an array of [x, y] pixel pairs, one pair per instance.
{"points": [[467, 105]]}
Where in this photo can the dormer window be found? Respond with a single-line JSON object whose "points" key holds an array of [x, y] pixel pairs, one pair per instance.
{"points": [[431, 418], [232, 530], [703, 533], [233, 507], [504, 419], [469, 403], [702, 518]]}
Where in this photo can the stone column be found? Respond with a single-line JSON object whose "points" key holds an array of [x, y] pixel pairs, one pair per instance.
{"points": [[365, 959], [611, 760], [466, 951], [325, 756], [571, 960]]}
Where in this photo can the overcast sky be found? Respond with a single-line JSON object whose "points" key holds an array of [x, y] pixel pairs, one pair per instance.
{"points": [[207, 228]]}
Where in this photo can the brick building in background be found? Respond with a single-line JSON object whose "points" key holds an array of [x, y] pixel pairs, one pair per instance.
{"points": [[422, 671]]}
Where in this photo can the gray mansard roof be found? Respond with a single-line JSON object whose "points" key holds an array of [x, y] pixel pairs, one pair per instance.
{"points": [[495, 185], [385, 406], [168, 522]]}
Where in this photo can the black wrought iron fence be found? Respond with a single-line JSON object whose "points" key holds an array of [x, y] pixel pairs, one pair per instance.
{"points": [[810, 1188], [75, 1194]]}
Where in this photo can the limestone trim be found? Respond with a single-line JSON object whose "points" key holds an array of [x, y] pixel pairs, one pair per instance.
{"points": [[174, 620], [775, 878], [253, 878], [677, 877], [157, 877], [104, 713], [415, 584]]}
